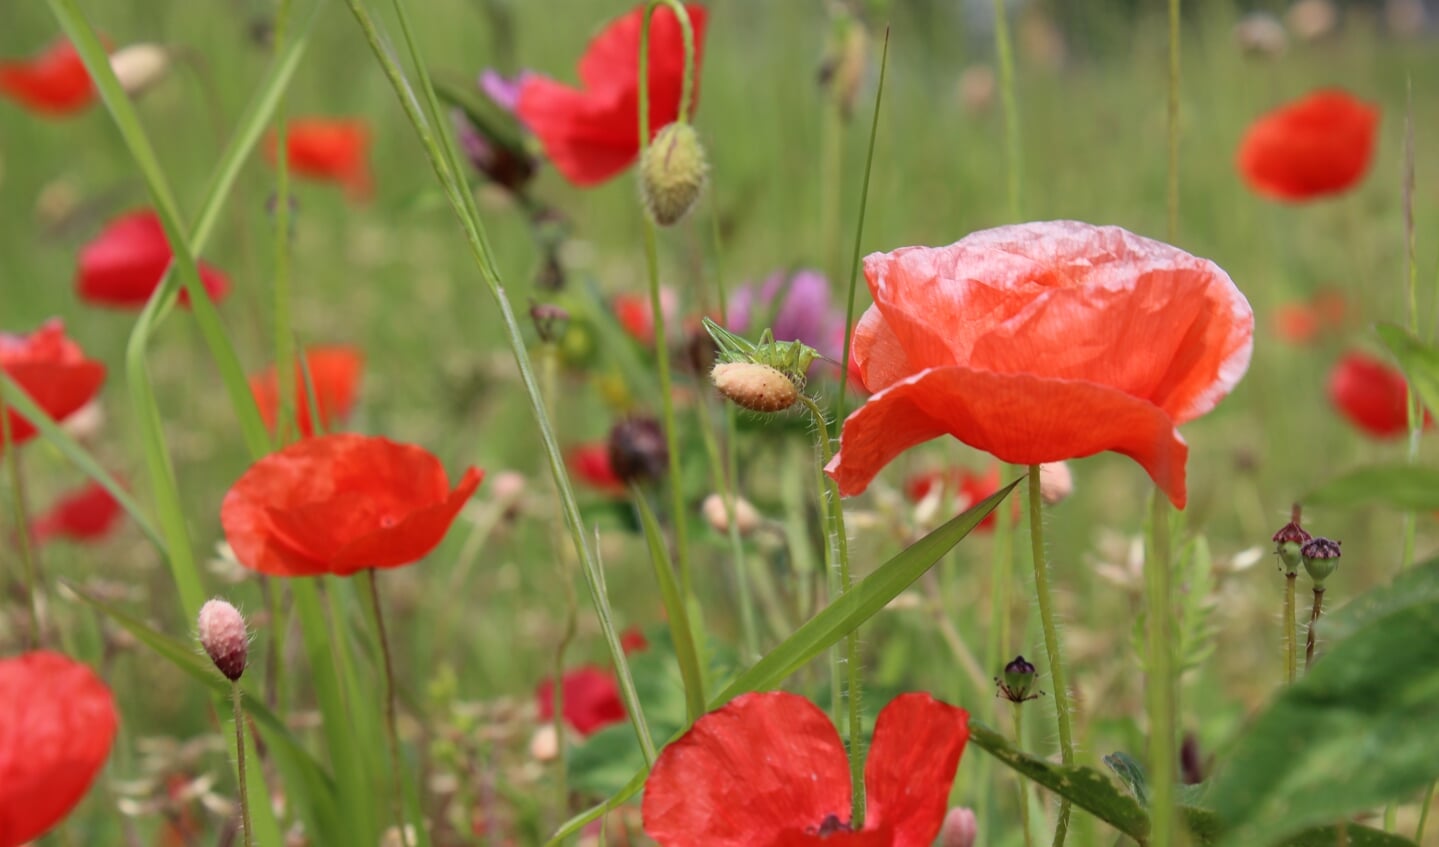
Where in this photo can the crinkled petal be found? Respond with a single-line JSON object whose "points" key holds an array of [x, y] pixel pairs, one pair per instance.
{"points": [[412, 538], [58, 388], [1018, 418], [589, 137], [910, 767]]}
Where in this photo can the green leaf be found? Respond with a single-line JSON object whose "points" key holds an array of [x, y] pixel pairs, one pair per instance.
{"points": [[1415, 586], [826, 628], [1419, 361], [1368, 710], [1131, 773], [680, 629], [1204, 824], [1406, 487]]}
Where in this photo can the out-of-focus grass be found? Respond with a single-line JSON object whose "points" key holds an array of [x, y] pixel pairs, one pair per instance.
{"points": [[393, 278]]}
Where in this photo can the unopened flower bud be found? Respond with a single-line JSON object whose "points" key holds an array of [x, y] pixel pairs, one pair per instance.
{"points": [[1291, 539], [716, 512], [545, 744], [1321, 559], [960, 828], [1055, 482], [759, 388], [139, 66], [672, 173], [550, 320], [638, 452], [1018, 680], [222, 633]]}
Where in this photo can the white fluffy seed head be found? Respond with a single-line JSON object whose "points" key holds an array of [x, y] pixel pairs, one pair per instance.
{"points": [[222, 633]]}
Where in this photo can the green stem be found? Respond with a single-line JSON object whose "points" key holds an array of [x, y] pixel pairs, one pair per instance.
{"points": [[1005, 54], [392, 734], [1023, 783], [550, 365], [33, 585], [1052, 646], [285, 420], [235, 699], [1314, 614], [1160, 692], [1424, 814], [1291, 626], [1173, 121], [726, 481]]}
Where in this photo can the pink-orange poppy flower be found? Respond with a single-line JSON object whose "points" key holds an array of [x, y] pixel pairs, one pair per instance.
{"points": [[52, 370], [85, 515], [123, 265], [53, 83], [329, 149], [769, 768], [592, 700], [338, 504], [592, 133], [335, 375], [57, 722], [1041, 342], [1316, 146], [1371, 395]]}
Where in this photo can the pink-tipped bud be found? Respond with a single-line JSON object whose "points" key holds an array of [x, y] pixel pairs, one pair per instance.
{"points": [[716, 512], [759, 388], [1056, 483], [222, 634], [960, 828]]}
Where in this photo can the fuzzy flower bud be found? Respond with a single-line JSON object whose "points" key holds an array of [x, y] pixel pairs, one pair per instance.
{"points": [[139, 66], [222, 633], [672, 173], [638, 452], [1056, 483], [759, 388], [960, 828], [716, 513], [1321, 559]]}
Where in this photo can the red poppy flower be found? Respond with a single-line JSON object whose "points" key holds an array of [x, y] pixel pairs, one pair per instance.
{"points": [[330, 149], [769, 769], [335, 375], [52, 370], [1296, 323], [338, 504], [590, 463], [123, 265], [633, 640], [1041, 342], [968, 486], [1371, 395], [87, 514], [52, 83], [57, 721], [592, 133], [1316, 146], [592, 700]]}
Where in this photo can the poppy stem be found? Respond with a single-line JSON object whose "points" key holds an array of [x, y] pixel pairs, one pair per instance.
{"points": [[392, 735], [33, 585], [1314, 614], [1160, 689], [1004, 51], [1291, 625], [286, 416], [1051, 641], [235, 700], [687, 91], [1023, 783]]}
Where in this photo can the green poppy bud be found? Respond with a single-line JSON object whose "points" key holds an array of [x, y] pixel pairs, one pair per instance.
{"points": [[1321, 559], [672, 173]]}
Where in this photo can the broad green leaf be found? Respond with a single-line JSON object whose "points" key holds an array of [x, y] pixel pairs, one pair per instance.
{"points": [[1419, 361], [826, 628], [1415, 586], [1359, 730], [680, 630], [1204, 824], [1406, 487]]}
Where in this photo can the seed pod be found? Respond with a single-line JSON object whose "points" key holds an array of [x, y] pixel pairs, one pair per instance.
{"points": [[759, 388], [716, 513], [673, 171], [637, 450], [1321, 559]]}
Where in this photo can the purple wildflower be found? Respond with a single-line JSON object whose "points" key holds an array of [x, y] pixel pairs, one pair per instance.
{"points": [[797, 306]]}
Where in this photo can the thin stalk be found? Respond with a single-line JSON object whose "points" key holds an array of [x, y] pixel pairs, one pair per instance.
{"points": [[550, 375], [835, 531], [1314, 614], [1161, 695], [1004, 52], [1291, 626], [1052, 646], [1424, 814], [1173, 120], [33, 586], [1023, 783], [239, 717], [726, 481], [392, 734], [1414, 406], [285, 420], [628, 694]]}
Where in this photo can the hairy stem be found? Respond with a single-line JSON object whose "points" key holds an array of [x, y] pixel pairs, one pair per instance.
{"points": [[392, 734], [235, 699], [1291, 626], [1051, 642], [1161, 694], [1314, 614]]}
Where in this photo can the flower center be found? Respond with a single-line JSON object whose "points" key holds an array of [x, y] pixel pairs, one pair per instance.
{"points": [[829, 826]]}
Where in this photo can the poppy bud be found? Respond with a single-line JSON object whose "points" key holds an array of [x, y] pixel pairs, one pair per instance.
{"points": [[222, 634], [759, 388], [139, 66], [550, 320], [1018, 680], [637, 450], [1321, 559], [1055, 482], [672, 173], [1291, 539], [960, 828], [545, 744], [716, 513]]}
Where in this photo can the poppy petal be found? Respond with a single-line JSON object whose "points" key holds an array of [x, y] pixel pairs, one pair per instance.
{"points": [[592, 700], [87, 514], [123, 265], [53, 83], [335, 375], [59, 388], [1316, 146], [413, 537], [1018, 418], [1372, 395], [910, 767], [760, 770]]}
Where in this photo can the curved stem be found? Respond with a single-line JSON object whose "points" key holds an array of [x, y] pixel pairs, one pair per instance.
{"points": [[235, 698], [1163, 758], [1314, 613], [392, 735], [1051, 641], [1291, 626], [687, 33]]}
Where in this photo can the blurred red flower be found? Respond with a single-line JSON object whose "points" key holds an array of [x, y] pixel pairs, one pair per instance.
{"points": [[1318, 145], [1296, 323], [335, 374], [633, 640], [122, 266], [338, 504], [637, 318], [1371, 395], [590, 463], [592, 700], [969, 488], [1040, 342], [86, 514], [52, 83], [592, 133], [769, 768], [57, 722], [329, 149], [52, 370]]}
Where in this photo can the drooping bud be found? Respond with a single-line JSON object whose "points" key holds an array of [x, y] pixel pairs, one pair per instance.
{"points": [[1055, 482], [221, 628], [139, 66], [960, 828], [673, 171], [1291, 539], [638, 452], [1321, 559], [759, 388], [716, 513], [1018, 681]]}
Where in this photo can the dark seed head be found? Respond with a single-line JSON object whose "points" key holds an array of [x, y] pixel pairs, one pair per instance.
{"points": [[637, 450]]}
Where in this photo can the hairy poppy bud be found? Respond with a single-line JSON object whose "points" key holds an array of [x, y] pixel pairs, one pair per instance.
{"points": [[1018, 680], [759, 388], [637, 450], [1055, 482], [960, 828], [716, 512], [1321, 559], [222, 634], [1291, 539], [672, 173], [139, 66]]}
